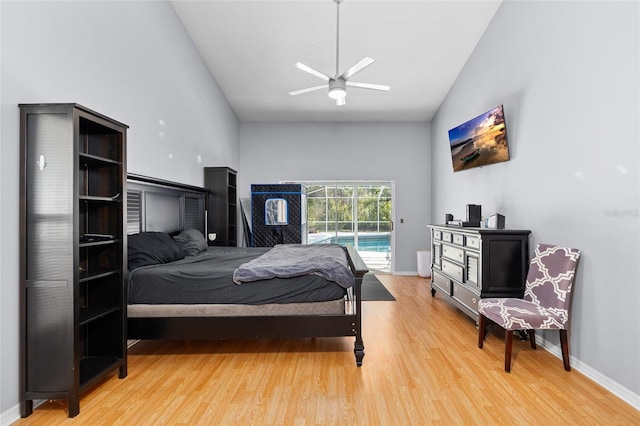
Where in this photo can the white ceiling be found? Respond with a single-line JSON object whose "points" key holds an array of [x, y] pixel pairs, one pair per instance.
{"points": [[251, 48]]}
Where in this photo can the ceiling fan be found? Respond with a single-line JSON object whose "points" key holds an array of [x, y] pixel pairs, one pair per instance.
{"points": [[338, 84]]}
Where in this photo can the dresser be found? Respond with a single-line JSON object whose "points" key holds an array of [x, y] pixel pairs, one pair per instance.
{"points": [[468, 264]]}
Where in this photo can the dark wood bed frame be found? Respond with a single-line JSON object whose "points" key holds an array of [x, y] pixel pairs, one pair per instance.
{"points": [[158, 205]]}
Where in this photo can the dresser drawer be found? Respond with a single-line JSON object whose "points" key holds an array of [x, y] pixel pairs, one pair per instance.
{"points": [[453, 253], [441, 282], [446, 236], [458, 239], [452, 270], [472, 270], [437, 235], [437, 254], [465, 296], [473, 242]]}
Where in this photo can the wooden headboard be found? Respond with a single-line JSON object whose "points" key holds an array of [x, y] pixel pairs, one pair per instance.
{"points": [[164, 206]]}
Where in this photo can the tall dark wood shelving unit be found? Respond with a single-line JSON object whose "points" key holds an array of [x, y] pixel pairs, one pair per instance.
{"points": [[222, 207], [72, 252]]}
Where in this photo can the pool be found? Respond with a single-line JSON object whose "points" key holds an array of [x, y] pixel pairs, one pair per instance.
{"points": [[378, 242]]}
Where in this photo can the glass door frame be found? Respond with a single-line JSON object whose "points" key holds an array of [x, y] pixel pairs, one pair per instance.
{"points": [[355, 184]]}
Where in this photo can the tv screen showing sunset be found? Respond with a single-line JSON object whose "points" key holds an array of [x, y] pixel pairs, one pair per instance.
{"points": [[480, 141]]}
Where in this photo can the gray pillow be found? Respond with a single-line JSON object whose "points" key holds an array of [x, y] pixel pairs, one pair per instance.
{"points": [[191, 241], [151, 248]]}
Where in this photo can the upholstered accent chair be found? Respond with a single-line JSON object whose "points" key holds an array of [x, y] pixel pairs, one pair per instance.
{"points": [[545, 305]]}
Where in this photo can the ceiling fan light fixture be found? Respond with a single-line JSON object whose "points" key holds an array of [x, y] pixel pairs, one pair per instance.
{"points": [[337, 88], [337, 93]]}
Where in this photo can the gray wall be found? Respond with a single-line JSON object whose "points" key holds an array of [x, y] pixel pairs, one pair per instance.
{"points": [[398, 152], [568, 76], [132, 61], [566, 72]]}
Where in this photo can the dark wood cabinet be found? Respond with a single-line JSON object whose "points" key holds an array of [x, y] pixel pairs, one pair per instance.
{"points": [[222, 208], [472, 263], [72, 252]]}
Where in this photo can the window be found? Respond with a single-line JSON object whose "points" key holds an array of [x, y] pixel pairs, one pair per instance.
{"points": [[357, 213]]}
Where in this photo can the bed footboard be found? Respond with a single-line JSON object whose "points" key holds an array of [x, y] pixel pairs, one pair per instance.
{"points": [[359, 270]]}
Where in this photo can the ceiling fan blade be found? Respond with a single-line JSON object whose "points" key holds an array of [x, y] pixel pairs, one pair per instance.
{"points": [[341, 101], [309, 89], [357, 68], [310, 70], [368, 86]]}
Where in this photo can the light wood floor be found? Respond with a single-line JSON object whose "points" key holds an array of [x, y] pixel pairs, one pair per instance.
{"points": [[422, 366]]}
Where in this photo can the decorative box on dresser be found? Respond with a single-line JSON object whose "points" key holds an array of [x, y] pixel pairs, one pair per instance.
{"points": [[222, 210], [72, 252], [472, 263]]}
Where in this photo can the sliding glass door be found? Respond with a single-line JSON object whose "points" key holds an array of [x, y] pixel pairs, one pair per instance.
{"points": [[357, 213]]}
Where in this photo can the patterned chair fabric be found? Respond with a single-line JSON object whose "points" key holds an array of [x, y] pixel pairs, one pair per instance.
{"points": [[547, 294], [545, 305]]}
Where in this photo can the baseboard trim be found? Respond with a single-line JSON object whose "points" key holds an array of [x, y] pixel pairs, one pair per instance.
{"points": [[10, 416], [414, 273], [610, 385]]}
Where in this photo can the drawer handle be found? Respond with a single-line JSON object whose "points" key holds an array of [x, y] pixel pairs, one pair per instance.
{"points": [[473, 299]]}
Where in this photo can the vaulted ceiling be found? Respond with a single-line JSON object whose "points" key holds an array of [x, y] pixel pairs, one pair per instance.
{"points": [[251, 47]]}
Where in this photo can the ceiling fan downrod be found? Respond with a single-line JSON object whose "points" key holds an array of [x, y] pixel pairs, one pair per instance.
{"points": [[338, 38]]}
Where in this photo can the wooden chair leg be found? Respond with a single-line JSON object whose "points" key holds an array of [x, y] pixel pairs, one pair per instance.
{"points": [[564, 344], [532, 338], [508, 341], [482, 320]]}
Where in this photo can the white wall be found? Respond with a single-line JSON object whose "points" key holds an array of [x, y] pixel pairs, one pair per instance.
{"points": [[400, 152], [132, 61], [568, 76]]}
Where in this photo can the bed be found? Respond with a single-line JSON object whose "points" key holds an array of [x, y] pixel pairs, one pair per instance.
{"points": [[158, 208]]}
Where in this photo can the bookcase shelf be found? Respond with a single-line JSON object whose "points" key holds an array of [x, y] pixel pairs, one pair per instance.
{"points": [[72, 221], [222, 208]]}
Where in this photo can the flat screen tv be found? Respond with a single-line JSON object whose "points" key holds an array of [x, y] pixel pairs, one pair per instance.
{"points": [[480, 141]]}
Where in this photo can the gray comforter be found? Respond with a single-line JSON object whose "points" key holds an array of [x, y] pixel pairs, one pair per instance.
{"points": [[208, 278], [294, 260]]}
